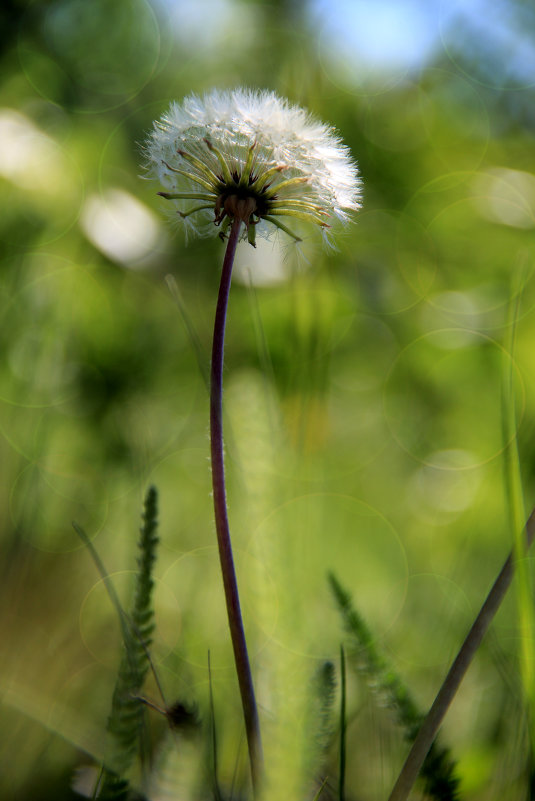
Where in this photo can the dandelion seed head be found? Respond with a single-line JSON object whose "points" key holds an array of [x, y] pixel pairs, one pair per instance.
{"points": [[252, 155]]}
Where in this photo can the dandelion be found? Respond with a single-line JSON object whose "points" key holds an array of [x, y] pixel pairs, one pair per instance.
{"points": [[251, 156], [244, 162]]}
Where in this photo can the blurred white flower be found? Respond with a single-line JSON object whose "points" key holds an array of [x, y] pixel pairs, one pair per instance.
{"points": [[253, 156], [506, 196], [122, 228], [28, 157]]}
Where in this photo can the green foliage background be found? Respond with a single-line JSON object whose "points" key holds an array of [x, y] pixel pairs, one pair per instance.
{"points": [[364, 389]]}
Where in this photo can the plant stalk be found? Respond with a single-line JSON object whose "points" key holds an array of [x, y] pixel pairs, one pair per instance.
{"points": [[430, 726], [230, 584], [343, 727]]}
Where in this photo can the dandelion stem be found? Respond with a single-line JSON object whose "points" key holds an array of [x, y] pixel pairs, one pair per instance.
{"points": [[241, 658], [435, 716]]}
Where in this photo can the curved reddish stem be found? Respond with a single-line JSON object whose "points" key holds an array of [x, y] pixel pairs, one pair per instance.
{"points": [[241, 657]]}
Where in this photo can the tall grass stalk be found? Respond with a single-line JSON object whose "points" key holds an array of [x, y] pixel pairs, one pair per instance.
{"points": [[446, 694], [516, 514]]}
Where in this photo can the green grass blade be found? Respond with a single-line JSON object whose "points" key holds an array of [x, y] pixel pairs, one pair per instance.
{"points": [[200, 354], [517, 515], [343, 726], [108, 583], [213, 740]]}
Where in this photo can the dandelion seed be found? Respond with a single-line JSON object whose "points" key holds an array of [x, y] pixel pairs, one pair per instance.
{"points": [[251, 156]]}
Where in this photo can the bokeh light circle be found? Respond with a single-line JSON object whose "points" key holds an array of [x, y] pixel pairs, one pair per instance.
{"points": [[311, 535], [492, 43], [101, 54], [99, 620], [434, 619], [198, 587], [347, 64], [396, 256], [43, 494], [444, 393], [43, 186], [464, 143]]}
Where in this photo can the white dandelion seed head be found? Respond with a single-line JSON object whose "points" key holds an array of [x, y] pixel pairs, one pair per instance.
{"points": [[253, 155]]}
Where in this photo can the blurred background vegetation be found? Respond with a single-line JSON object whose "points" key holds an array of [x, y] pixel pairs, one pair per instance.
{"points": [[377, 397]]}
